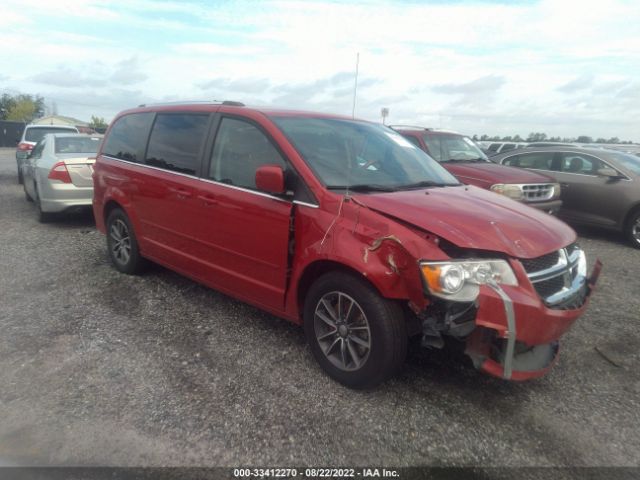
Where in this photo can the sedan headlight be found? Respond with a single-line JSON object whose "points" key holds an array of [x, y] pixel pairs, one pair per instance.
{"points": [[556, 191], [460, 280], [508, 190]]}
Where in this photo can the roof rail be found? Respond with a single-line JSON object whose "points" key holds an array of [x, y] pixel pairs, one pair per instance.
{"points": [[193, 102], [415, 127]]}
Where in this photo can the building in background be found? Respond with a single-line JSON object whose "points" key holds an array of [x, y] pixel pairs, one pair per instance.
{"points": [[83, 127]]}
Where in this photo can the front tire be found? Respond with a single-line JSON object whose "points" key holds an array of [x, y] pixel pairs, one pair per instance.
{"points": [[632, 230], [122, 244], [358, 337]]}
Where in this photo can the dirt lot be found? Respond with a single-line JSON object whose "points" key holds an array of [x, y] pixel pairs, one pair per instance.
{"points": [[99, 368]]}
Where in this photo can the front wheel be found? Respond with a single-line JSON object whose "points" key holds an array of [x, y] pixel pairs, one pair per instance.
{"points": [[633, 229], [122, 244], [358, 337]]}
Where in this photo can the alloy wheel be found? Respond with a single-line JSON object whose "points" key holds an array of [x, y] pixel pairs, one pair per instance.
{"points": [[635, 230], [121, 242], [342, 331]]}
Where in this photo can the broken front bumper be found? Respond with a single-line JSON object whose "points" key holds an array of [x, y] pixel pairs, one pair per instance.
{"points": [[516, 335]]}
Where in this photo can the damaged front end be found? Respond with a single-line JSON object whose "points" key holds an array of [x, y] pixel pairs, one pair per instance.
{"points": [[510, 313]]}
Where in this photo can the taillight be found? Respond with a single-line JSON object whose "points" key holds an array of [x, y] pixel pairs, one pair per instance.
{"points": [[25, 147], [59, 172]]}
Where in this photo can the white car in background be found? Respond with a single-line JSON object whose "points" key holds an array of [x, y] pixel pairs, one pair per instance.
{"points": [[58, 173]]}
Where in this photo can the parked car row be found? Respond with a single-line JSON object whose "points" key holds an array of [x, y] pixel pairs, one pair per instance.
{"points": [[345, 227], [599, 187], [460, 156]]}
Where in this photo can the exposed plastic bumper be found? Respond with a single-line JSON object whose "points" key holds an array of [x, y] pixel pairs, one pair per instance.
{"points": [[534, 358]]}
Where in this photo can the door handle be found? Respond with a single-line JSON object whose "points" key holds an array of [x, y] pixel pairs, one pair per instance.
{"points": [[180, 192], [208, 199]]}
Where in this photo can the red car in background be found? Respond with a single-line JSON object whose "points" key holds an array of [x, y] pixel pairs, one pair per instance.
{"points": [[462, 157], [344, 227]]}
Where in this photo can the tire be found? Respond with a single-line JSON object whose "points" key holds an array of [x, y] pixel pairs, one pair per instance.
{"points": [[122, 244], [377, 324], [20, 177], [43, 217], [632, 229]]}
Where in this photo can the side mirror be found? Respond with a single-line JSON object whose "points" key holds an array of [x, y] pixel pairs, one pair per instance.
{"points": [[270, 179], [608, 172]]}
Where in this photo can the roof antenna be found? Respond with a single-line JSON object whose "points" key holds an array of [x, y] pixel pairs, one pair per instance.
{"points": [[355, 86]]}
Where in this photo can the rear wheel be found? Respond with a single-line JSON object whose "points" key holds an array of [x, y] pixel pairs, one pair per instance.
{"points": [[122, 244], [43, 217], [20, 177], [358, 337], [633, 229]]}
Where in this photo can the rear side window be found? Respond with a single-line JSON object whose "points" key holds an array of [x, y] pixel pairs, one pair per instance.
{"points": [[508, 146], [413, 140], [128, 137], [176, 141], [77, 144], [35, 134], [538, 160], [493, 147], [240, 149]]}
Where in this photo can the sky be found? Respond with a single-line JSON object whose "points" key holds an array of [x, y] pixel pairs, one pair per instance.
{"points": [[566, 68]]}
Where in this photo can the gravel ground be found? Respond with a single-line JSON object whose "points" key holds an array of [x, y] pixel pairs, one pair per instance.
{"points": [[99, 368]]}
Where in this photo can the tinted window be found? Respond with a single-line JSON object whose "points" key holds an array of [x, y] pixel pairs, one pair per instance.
{"points": [[582, 164], [493, 147], [538, 160], [35, 134], [240, 149], [630, 162], [175, 142], [508, 146], [77, 144], [347, 153], [128, 137]]}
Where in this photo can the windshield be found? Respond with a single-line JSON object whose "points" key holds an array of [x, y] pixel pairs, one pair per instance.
{"points": [[453, 148], [36, 134], [362, 156], [77, 144], [628, 161]]}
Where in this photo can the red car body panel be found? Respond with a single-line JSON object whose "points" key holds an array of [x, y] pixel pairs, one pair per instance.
{"points": [[198, 228], [471, 217], [486, 174]]}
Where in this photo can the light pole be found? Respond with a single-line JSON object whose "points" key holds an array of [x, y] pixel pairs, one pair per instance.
{"points": [[385, 113]]}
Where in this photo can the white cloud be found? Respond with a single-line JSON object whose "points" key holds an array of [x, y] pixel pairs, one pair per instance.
{"points": [[562, 67]]}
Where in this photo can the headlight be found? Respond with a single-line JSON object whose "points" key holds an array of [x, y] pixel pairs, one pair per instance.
{"points": [[508, 190], [460, 280], [556, 191]]}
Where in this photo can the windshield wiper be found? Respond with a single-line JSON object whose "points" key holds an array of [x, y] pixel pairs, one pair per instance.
{"points": [[364, 187], [424, 184]]}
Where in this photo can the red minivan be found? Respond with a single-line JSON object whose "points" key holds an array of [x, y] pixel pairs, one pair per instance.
{"points": [[342, 226]]}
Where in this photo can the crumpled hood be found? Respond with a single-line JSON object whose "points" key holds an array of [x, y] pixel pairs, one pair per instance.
{"points": [[470, 217], [485, 174]]}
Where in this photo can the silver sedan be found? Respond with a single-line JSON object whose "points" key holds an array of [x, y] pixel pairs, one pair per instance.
{"points": [[57, 173]]}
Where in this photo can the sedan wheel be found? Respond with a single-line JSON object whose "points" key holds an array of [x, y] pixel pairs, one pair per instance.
{"points": [[120, 242], [633, 230]]}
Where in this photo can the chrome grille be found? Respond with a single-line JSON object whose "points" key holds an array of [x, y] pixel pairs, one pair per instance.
{"points": [[559, 277], [537, 191]]}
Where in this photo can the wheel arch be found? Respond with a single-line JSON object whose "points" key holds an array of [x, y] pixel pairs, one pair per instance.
{"points": [[635, 208]]}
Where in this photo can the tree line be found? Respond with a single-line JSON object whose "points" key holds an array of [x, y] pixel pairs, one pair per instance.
{"points": [[27, 108], [542, 137]]}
